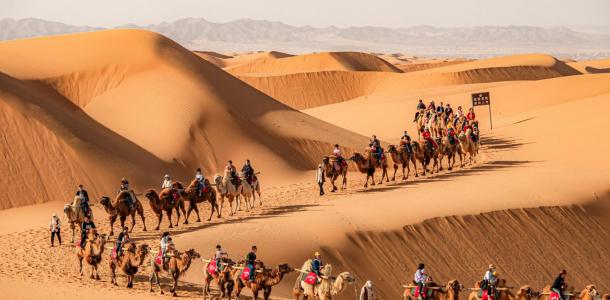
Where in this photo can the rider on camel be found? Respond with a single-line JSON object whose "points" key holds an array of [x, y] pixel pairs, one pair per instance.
{"points": [[248, 171], [489, 280], [559, 285], [166, 245], [420, 106], [251, 263], [121, 240], [167, 184], [420, 279], [376, 147], [84, 229], [200, 181], [426, 135], [233, 172], [470, 116], [448, 111], [125, 188], [451, 134], [84, 200], [338, 157], [405, 141], [440, 108], [219, 256]]}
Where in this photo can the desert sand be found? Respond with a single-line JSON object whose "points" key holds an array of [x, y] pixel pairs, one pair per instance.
{"points": [[78, 109]]}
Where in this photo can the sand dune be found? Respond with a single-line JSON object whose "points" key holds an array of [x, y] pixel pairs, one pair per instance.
{"points": [[155, 106], [326, 61], [223, 61], [311, 89], [592, 66]]}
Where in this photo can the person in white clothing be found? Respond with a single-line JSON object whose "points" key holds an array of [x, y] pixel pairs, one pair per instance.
{"points": [[367, 292], [320, 178], [55, 228], [167, 182], [420, 279], [199, 177]]}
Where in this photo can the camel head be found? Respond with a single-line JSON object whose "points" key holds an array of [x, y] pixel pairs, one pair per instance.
{"points": [[192, 254], [151, 195], [67, 209], [357, 157], [327, 270], [325, 160], [217, 179], [348, 277], [178, 185], [284, 269], [526, 292], [589, 290], [92, 234], [455, 286], [392, 149], [105, 201], [143, 249]]}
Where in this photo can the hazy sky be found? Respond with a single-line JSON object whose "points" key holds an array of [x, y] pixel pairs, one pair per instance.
{"points": [[319, 13]]}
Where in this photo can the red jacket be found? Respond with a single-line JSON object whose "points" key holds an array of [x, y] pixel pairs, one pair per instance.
{"points": [[470, 116]]}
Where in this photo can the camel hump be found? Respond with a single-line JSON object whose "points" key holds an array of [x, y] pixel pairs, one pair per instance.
{"points": [[307, 266]]}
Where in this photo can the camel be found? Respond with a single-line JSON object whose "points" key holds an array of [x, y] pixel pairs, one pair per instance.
{"points": [[75, 214], [256, 190], [544, 295], [246, 191], [589, 293], [436, 124], [328, 286], [193, 197], [227, 189], [130, 260], [223, 279], [451, 291], [263, 280], [451, 151], [424, 154], [467, 145], [421, 121], [367, 164], [178, 264], [161, 202], [329, 164], [525, 292], [120, 208], [400, 156], [92, 252]]}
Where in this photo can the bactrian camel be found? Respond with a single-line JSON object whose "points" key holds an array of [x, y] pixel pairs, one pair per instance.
{"points": [[263, 281], [74, 214], [119, 207], [367, 164], [162, 202], [327, 288], [401, 157], [178, 264], [129, 262], [333, 169], [227, 189], [194, 197], [92, 252]]}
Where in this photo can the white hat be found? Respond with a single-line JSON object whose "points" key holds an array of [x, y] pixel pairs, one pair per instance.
{"points": [[166, 176], [54, 215]]}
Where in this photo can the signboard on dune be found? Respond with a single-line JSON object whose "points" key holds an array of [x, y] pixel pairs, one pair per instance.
{"points": [[483, 98]]}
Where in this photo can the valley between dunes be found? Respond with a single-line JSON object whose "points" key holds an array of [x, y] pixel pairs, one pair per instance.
{"points": [[80, 109]]}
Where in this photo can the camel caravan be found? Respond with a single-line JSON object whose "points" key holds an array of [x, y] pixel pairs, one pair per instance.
{"points": [[441, 134]]}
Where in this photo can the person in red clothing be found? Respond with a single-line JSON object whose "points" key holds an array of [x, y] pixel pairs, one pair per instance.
{"points": [[426, 135], [470, 116]]}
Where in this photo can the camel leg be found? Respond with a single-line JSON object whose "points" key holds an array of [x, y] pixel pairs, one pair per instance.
{"points": [[113, 274], [112, 220], [174, 286], [181, 207], [72, 227], [266, 293], [212, 207], [159, 219], [387, 176], [169, 217], [80, 266], [396, 170], [343, 182], [178, 216], [141, 213], [122, 221], [404, 175]]}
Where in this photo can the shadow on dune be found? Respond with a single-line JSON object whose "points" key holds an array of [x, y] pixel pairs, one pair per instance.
{"points": [[593, 70]]}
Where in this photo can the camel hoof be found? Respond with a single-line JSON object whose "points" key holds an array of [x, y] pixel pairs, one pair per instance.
{"points": [[97, 277], [449, 169], [186, 222], [210, 219], [111, 233], [144, 229], [156, 228], [171, 226], [198, 220]]}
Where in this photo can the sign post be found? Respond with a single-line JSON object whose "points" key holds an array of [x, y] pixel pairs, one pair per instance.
{"points": [[483, 98]]}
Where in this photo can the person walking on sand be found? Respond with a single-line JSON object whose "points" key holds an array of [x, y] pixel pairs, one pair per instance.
{"points": [[320, 178], [55, 228], [367, 292]]}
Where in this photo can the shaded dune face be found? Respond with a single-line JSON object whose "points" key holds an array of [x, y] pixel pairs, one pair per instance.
{"points": [[141, 110], [529, 246]]}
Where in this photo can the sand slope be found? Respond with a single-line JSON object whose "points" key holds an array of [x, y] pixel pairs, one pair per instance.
{"points": [[223, 61], [166, 110], [326, 61], [311, 89]]}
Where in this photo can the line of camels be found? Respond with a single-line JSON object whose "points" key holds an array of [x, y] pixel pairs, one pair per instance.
{"points": [[466, 144], [230, 283]]}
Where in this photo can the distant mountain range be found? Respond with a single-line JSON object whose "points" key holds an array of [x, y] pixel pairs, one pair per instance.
{"points": [[253, 35]]}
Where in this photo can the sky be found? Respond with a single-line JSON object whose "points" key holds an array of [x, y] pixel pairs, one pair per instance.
{"points": [[318, 13]]}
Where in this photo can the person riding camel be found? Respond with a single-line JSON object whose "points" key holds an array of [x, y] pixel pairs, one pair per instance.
{"points": [[248, 171], [470, 116], [459, 113], [467, 126], [426, 135], [559, 284], [338, 157], [440, 109], [200, 182], [84, 200], [219, 257], [125, 188], [420, 106], [84, 229], [316, 264], [233, 172], [251, 263], [121, 240], [489, 281], [448, 111], [421, 278], [376, 147], [166, 245], [451, 135], [405, 141], [167, 184]]}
